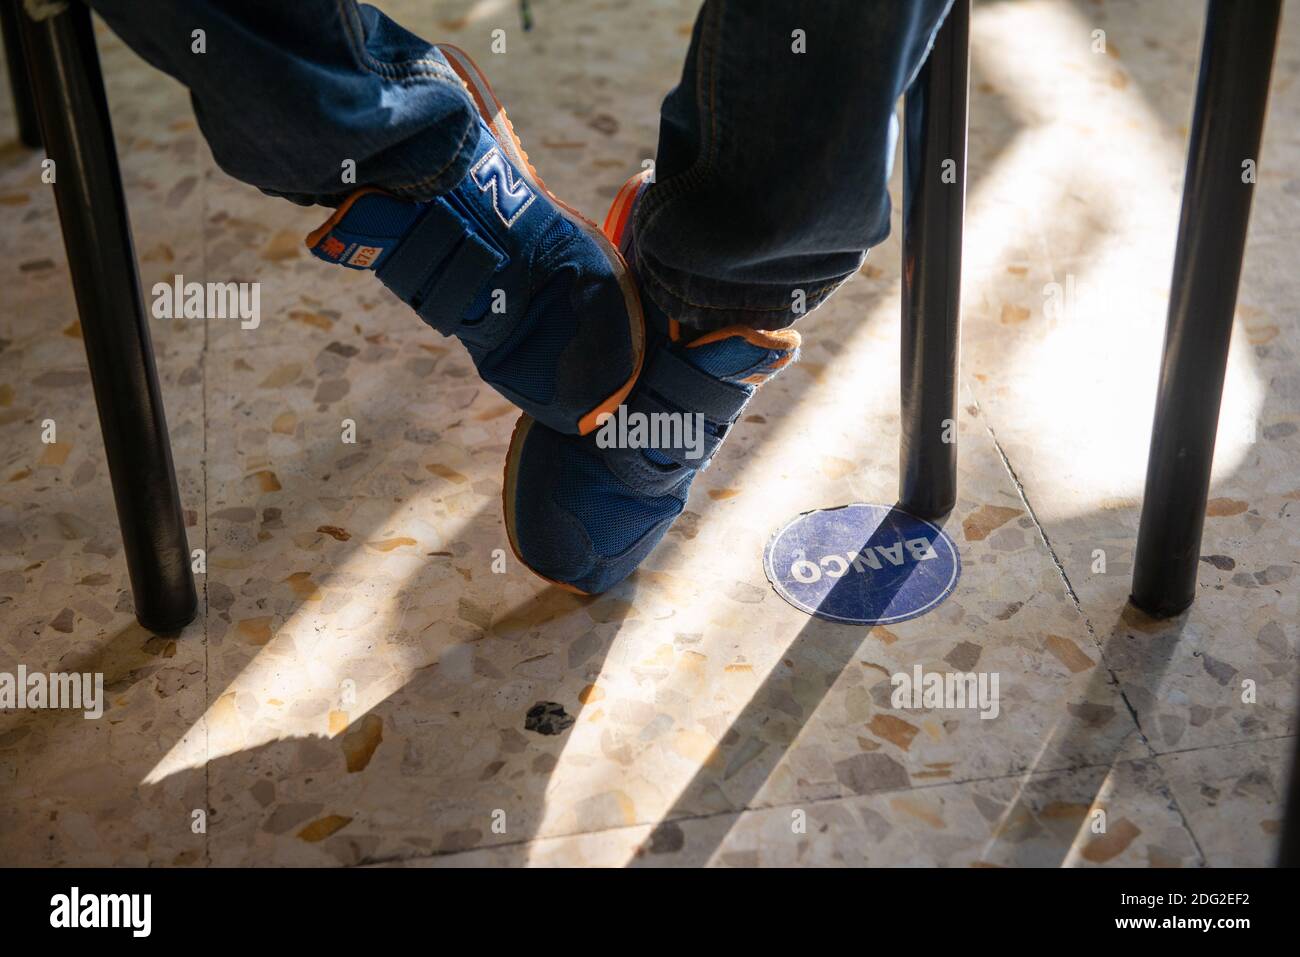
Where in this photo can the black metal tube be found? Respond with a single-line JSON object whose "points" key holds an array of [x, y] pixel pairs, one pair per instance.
{"points": [[1228, 120], [20, 85], [1288, 854], [78, 136], [934, 200]]}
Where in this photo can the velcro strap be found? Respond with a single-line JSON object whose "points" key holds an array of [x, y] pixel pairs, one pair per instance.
{"points": [[422, 252], [690, 388], [445, 302], [369, 227], [681, 437], [441, 268], [637, 472]]}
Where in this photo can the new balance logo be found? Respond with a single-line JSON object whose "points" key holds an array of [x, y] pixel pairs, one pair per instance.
{"points": [[510, 194]]}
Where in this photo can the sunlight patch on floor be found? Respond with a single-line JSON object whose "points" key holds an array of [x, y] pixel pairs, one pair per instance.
{"points": [[1091, 182]]}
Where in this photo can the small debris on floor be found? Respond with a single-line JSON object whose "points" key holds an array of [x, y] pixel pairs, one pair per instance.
{"points": [[548, 717]]}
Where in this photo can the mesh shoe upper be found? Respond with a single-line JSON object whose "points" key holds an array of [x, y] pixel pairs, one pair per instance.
{"points": [[587, 510], [536, 299]]}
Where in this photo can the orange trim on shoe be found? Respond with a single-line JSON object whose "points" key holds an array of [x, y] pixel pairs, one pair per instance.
{"points": [[766, 339], [620, 211], [616, 218], [320, 232], [590, 422], [490, 108], [480, 92]]}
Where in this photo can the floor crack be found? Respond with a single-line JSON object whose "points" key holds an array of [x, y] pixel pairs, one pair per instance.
{"points": [[1087, 622], [207, 648], [1060, 570]]}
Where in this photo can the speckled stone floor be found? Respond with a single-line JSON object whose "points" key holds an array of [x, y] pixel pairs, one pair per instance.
{"points": [[355, 688]]}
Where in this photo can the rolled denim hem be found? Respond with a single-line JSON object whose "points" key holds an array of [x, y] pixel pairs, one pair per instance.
{"points": [[311, 100], [405, 162], [418, 190], [710, 304]]}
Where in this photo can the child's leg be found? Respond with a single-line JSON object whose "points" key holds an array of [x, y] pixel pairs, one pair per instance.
{"points": [[287, 92], [775, 153], [444, 208], [771, 180]]}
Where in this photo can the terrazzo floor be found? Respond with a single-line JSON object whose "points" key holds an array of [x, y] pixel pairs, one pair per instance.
{"points": [[356, 686]]}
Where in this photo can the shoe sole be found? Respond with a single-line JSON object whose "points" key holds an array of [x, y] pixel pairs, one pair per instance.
{"points": [[508, 487], [616, 222]]}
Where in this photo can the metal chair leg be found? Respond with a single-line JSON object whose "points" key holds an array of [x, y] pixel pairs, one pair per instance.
{"points": [[1288, 853], [20, 85], [934, 199], [1231, 97], [75, 127]]}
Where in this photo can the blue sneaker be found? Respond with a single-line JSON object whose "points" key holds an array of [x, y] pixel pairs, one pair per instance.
{"points": [[584, 511], [541, 298]]}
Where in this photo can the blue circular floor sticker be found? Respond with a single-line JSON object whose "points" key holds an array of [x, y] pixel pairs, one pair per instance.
{"points": [[862, 564]]}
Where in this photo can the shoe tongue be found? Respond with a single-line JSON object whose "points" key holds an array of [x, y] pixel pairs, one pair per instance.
{"points": [[740, 354]]}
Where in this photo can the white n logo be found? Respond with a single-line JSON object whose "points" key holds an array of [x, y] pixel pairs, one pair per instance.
{"points": [[510, 193]]}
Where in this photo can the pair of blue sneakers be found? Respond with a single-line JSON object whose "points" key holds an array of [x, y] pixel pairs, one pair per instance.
{"points": [[549, 310]]}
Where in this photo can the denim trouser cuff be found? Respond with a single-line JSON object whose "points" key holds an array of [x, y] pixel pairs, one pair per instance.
{"points": [[707, 304]]}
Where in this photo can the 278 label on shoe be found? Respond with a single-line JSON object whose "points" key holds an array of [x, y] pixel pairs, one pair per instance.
{"points": [[862, 564]]}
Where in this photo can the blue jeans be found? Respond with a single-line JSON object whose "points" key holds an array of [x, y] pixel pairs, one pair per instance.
{"points": [[772, 167]]}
